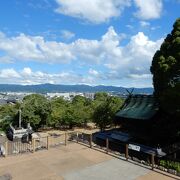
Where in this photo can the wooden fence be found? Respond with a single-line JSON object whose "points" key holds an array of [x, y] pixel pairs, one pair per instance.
{"points": [[114, 148], [121, 150]]}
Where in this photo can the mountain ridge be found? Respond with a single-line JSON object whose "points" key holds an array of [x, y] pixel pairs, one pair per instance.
{"points": [[45, 88]]}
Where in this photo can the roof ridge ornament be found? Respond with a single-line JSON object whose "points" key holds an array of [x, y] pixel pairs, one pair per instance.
{"points": [[130, 92]]}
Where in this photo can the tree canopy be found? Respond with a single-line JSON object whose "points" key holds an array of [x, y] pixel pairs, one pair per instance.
{"points": [[166, 72], [36, 110], [58, 112], [8, 115], [105, 109]]}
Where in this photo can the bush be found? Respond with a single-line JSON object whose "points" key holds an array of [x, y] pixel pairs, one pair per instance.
{"points": [[170, 165]]}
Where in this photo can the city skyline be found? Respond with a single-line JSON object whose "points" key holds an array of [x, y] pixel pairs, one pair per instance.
{"points": [[80, 42]]}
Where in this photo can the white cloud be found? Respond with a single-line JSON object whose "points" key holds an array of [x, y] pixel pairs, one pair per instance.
{"points": [[9, 73], [26, 71], [155, 27], [134, 59], [65, 34], [137, 76], [117, 61], [129, 26], [93, 72], [95, 11], [43, 4], [144, 23], [11, 76], [100, 11], [35, 48], [6, 59], [105, 50], [28, 76], [148, 9]]}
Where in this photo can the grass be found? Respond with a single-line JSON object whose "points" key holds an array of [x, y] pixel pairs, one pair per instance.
{"points": [[170, 165]]}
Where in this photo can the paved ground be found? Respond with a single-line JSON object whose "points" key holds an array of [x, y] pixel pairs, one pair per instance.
{"points": [[73, 162]]}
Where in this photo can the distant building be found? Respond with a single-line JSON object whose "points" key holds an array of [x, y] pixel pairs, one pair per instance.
{"points": [[66, 96], [3, 102], [11, 101], [89, 95]]}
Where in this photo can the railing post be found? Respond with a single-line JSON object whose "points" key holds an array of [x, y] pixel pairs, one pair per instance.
{"points": [[77, 137], [127, 152], [152, 161], [90, 140], [48, 142], [107, 145], [6, 148], [65, 139], [33, 144]]}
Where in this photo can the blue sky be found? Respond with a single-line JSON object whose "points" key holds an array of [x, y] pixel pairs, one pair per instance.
{"points": [[109, 42]]}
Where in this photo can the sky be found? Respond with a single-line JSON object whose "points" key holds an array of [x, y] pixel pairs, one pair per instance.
{"points": [[94, 42]]}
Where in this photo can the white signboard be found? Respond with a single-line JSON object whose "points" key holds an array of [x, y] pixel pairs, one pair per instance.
{"points": [[134, 147]]}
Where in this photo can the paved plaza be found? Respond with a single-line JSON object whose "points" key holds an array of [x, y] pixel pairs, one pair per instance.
{"points": [[73, 162]]}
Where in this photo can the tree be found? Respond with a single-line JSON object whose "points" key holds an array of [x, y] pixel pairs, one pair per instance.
{"points": [[82, 109], [100, 96], [59, 106], [78, 113], [8, 115], [106, 109], [166, 72], [69, 118], [36, 110]]}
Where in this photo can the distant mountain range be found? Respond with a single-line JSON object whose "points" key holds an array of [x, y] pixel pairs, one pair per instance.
{"points": [[45, 88]]}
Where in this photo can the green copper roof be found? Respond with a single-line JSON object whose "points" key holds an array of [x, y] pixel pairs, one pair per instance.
{"points": [[139, 107]]}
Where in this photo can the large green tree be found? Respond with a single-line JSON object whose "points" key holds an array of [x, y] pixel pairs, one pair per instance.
{"points": [[8, 115], [166, 72], [36, 110], [78, 112], [59, 106], [105, 108]]}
